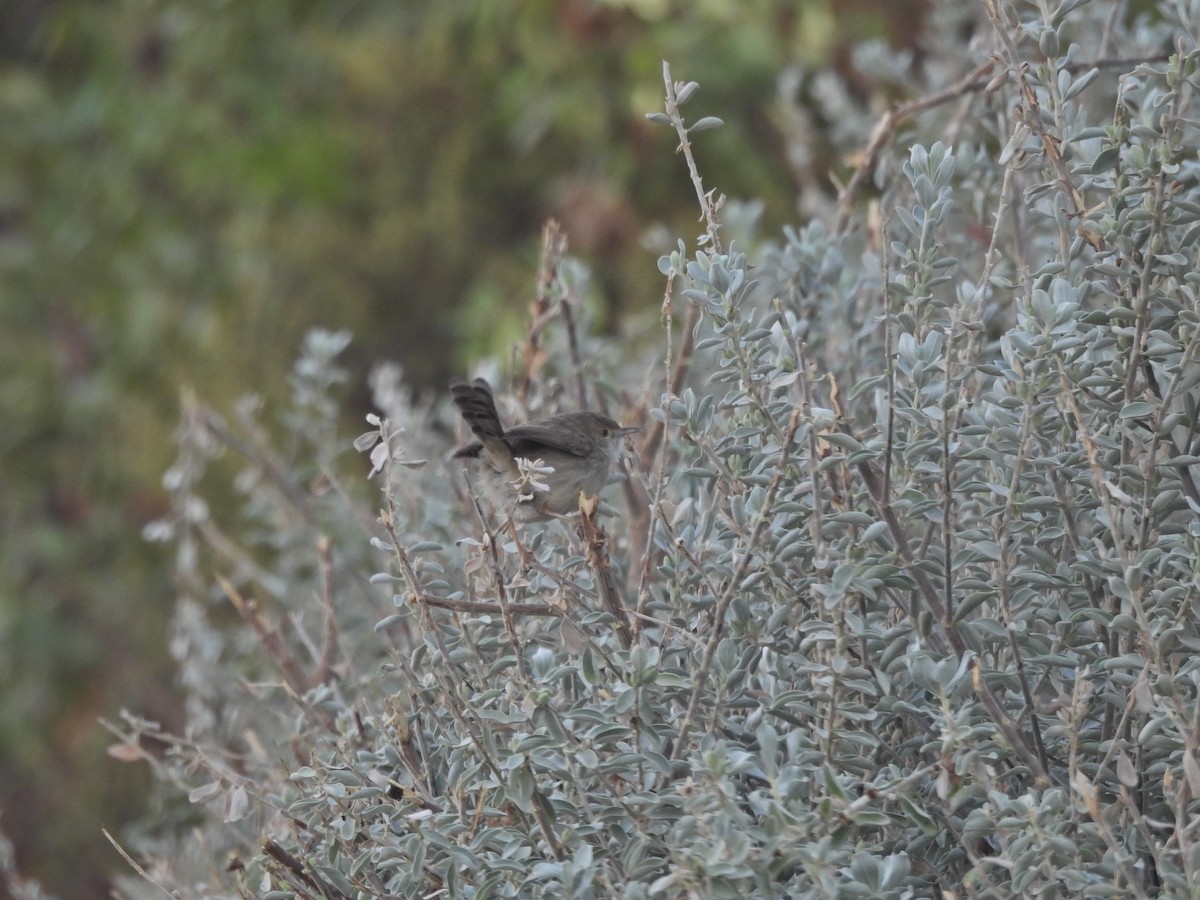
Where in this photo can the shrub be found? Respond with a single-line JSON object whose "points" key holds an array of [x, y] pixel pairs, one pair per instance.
{"points": [[906, 560]]}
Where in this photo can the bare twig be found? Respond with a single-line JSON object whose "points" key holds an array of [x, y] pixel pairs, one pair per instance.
{"points": [[1008, 728], [483, 608], [975, 80], [133, 864], [540, 804], [1118, 851], [943, 639], [652, 454], [596, 544], [653, 449], [947, 636], [889, 358], [510, 621], [814, 450], [1115, 62], [568, 314], [296, 871], [296, 680], [541, 309]]}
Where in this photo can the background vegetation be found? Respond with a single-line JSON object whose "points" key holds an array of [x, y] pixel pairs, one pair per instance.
{"points": [[187, 189]]}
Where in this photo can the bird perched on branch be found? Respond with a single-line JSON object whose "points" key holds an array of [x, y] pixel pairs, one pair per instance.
{"points": [[536, 471]]}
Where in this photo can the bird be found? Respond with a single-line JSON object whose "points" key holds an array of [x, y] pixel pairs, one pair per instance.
{"points": [[576, 451]]}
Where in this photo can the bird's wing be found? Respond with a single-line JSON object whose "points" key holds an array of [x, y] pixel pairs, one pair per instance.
{"points": [[526, 440]]}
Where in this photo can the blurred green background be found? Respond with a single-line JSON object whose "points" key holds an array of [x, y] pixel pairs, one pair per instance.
{"points": [[186, 187]]}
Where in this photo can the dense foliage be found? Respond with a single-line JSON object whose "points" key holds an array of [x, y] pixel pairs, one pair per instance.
{"points": [[188, 186], [905, 564]]}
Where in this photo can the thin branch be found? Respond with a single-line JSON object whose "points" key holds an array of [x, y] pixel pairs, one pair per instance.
{"points": [[133, 864], [297, 870], [872, 478], [948, 632], [1051, 143], [1118, 853], [700, 680], [975, 80], [1008, 728], [1035, 724], [541, 310], [275, 469], [596, 545], [329, 645], [1114, 62], [483, 608], [814, 454], [293, 675], [568, 314], [510, 621], [540, 804], [708, 209]]}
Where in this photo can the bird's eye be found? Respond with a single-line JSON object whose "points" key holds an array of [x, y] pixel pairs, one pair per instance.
{"points": [[604, 432]]}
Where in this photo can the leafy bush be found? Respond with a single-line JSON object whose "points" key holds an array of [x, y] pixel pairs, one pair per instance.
{"points": [[907, 553]]}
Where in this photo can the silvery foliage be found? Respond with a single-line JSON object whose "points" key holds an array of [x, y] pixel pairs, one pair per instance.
{"points": [[918, 607]]}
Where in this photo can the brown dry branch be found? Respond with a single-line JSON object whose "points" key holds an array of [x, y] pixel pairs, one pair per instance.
{"points": [[483, 608], [973, 81], [1031, 115], [541, 309], [268, 636], [708, 214], [416, 591], [651, 453], [1114, 62], [232, 553], [596, 544], [1008, 728], [451, 701], [506, 612], [567, 310], [1138, 360], [543, 813], [293, 870], [948, 637], [1003, 574]]}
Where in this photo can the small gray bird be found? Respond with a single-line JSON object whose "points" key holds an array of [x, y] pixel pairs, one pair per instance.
{"points": [[580, 447]]}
